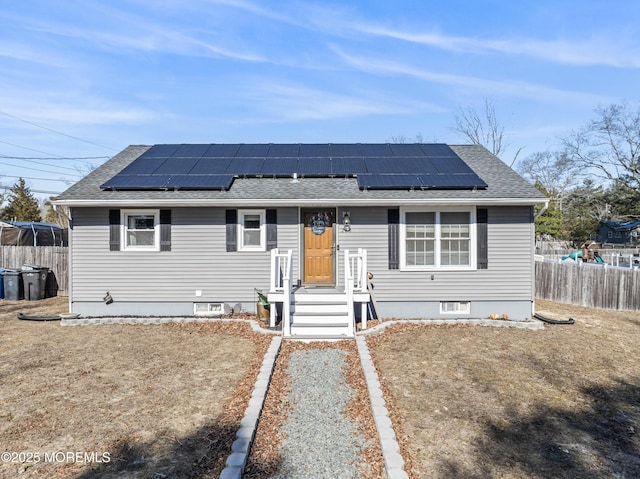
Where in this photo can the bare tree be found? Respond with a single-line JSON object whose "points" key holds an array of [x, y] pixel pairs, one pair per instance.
{"points": [[404, 139], [553, 170], [483, 128], [609, 146]]}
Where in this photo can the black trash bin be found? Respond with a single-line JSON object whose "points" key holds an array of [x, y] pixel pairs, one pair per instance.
{"points": [[34, 279], [12, 282]]}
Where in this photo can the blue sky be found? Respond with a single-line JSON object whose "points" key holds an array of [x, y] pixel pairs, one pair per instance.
{"points": [[84, 79]]}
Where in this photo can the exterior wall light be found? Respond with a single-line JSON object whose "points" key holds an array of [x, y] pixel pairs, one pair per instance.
{"points": [[346, 221]]}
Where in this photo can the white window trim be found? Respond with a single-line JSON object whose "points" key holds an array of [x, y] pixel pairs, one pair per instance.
{"points": [[263, 230], [473, 238], [123, 230]]}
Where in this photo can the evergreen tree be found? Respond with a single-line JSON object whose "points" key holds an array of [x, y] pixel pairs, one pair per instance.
{"points": [[549, 222], [23, 206]]}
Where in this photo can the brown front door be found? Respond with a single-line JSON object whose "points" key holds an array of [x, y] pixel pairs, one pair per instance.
{"points": [[318, 247]]}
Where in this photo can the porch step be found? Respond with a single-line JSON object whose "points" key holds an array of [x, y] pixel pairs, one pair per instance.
{"points": [[319, 337], [324, 329]]}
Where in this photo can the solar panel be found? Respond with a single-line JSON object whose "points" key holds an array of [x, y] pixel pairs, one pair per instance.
{"points": [[376, 150], [282, 151], [143, 166], [345, 149], [437, 150], [348, 166], [384, 166], [160, 151], [211, 166], [200, 182], [280, 166], [380, 165], [176, 166], [406, 149], [314, 150], [384, 182], [245, 166], [191, 151], [136, 182], [221, 151], [252, 151], [314, 166]]}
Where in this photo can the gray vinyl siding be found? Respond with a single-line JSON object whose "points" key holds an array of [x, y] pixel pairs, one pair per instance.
{"points": [[198, 260], [510, 259]]}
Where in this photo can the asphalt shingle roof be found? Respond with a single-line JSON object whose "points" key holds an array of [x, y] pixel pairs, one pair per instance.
{"points": [[504, 185]]}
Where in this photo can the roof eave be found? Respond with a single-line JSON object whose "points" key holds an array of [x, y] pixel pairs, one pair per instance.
{"points": [[204, 202]]}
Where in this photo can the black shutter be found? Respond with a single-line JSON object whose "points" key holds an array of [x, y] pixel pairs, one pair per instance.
{"points": [[272, 229], [393, 221], [481, 229], [232, 230], [165, 230], [114, 230]]}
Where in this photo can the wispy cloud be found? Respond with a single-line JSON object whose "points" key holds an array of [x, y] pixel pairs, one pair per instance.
{"points": [[482, 86], [81, 110], [121, 31], [286, 102], [596, 50]]}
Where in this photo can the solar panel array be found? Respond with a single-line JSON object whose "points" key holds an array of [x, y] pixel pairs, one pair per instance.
{"points": [[376, 166]]}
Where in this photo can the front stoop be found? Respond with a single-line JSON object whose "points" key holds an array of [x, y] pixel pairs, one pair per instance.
{"points": [[321, 315]]}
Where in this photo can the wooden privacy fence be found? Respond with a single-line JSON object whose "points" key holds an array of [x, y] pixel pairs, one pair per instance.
{"points": [[591, 286], [53, 257]]}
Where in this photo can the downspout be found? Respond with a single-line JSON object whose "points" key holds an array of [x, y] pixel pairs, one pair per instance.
{"points": [[68, 214], [541, 212]]}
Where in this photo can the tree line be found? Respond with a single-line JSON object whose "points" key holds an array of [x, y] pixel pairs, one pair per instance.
{"points": [[593, 176]]}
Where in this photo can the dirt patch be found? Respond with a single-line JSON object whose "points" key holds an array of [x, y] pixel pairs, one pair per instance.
{"points": [[475, 402], [121, 400]]}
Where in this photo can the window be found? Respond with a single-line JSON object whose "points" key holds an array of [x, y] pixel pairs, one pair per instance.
{"points": [[140, 230], [252, 234], [437, 239], [455, 307]]}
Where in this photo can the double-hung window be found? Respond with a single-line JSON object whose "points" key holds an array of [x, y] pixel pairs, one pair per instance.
{"points": [[252, 234], [140, 230], [437, 239]]}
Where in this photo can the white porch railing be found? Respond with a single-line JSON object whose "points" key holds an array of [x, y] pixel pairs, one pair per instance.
{"points": [[281, 283], [356, 281]]}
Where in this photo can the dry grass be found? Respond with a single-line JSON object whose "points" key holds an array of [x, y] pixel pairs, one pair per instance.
{"points": [[478, 402], [161, 400], [468, 402]]}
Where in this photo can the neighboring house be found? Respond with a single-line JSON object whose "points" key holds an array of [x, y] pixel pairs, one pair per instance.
{"points": [[618, 232], [446, 231]]}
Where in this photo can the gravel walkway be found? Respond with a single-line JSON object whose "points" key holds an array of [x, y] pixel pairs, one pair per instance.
{"points": [[320, 441]]}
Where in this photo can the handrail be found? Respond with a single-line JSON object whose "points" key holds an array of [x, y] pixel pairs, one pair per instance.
{"points": [[286, 302], [280, 282], [349, 288], [357, 266], [280, 264]]}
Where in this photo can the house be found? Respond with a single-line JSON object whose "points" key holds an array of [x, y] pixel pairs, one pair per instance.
{"points": [[173, 230], [618, 232]]}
